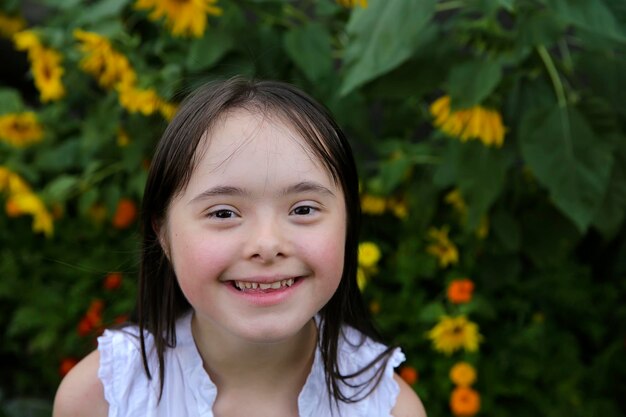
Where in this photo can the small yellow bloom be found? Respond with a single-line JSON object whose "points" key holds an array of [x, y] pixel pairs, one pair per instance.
{"points": [[352, 3], [122, 138], [483, 228], [476, 123], [20, 129], [398, 208], [168, 110], [463, 374], [369, 254], [182, 17], [374, 205], [145, 101], [455, 333], [361, 278], [10, 25], [455, 199], [442, 247]]}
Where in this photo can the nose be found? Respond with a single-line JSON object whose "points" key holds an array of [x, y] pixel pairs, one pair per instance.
{"points": [[266, 242]]}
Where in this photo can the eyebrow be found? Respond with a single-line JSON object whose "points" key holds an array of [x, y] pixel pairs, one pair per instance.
{"points": [[226, 190]]}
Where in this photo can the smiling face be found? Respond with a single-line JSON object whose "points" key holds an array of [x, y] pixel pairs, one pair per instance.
{"points": [[257, 238]]}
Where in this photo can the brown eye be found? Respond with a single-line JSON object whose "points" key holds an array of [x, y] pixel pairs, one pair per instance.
{"points": [[222, 214], [303, 210]]}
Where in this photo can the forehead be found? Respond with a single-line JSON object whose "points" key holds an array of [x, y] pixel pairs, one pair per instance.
{"points": [[242, 144]]}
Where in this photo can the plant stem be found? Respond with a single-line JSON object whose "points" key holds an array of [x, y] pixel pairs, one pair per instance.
{"points": [[560, 94], [554, 75]]}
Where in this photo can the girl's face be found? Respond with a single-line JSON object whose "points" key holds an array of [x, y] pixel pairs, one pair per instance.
{"points": [[257, 237]]}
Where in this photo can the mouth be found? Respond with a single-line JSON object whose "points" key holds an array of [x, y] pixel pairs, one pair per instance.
{"points": [[263, 287]]}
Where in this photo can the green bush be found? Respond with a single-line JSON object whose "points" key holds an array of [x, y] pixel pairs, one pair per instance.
{"points": [[490, 136]]}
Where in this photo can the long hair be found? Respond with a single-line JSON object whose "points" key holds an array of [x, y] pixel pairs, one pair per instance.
{"points": [[160, 300]]}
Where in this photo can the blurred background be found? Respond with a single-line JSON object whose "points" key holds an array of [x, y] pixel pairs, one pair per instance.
{"points": [[490, 138]]}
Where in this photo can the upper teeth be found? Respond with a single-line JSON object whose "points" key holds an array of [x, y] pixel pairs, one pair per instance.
{"points": [[264, 286]]}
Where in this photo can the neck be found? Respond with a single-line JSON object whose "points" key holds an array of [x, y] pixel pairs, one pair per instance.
{"points": [[238, 364]]}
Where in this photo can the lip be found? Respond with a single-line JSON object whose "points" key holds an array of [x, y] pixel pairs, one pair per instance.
{"points": [[265, 299]]}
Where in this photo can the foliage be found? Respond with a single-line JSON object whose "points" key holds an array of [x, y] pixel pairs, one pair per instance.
{"points": [[536, 223]]}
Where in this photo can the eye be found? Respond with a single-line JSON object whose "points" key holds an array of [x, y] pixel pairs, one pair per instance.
{"points": [[303, 210], [222, 214]]}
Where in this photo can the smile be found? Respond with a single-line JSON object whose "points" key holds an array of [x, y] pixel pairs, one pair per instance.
{"points": [[263, 286]]}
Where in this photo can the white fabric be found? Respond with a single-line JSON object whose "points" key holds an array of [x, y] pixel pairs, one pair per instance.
{"points": [[189, 392]]}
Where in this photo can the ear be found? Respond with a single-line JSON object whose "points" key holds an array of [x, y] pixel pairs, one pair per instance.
{"points": [[160, 230]]}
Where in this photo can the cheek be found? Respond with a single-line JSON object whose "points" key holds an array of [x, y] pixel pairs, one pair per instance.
{"points": [[195, 257]]}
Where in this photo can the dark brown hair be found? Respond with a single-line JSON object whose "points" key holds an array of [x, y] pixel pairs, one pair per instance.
{"points": [[160, 300]]}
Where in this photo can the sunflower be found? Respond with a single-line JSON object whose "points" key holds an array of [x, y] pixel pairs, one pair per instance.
{"points": [[10, 25], [185, 18], [102, 61], [475, 123], [133, 99], [47, 72], [21, 200], [45, 65], [455, 333], [20, 129]]}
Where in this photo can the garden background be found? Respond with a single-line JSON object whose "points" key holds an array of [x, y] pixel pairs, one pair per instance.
{"points": [[490, 136]]}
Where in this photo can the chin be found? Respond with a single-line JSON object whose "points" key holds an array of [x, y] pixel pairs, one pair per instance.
{"points": [[274, 332]]}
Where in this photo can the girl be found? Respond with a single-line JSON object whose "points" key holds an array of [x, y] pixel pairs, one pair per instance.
{"points": [[248, 303]]}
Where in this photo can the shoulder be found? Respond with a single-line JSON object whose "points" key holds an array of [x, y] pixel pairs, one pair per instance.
{"points": [[81, 393], [408, 403]]}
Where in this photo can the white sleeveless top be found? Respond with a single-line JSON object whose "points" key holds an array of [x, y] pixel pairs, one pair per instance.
{"points": [[189, 392]]}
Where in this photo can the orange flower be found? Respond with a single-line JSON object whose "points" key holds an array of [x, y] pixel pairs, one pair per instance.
{"points": [[464, 402], [125, 214], [409, 374], [120, 319], [112, 281], [463, 374], [460, 291], [84, 327], [92, 318], [66, 365]]}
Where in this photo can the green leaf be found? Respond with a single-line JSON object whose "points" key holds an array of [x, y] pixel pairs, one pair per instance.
{"points": [[539, 28], [207, 51], [432, 312], [568, 159], [64, 5], [506, 230], [471, 82], [478, 171], [507, 4], [593, 16], [10, 101], [100, 11], [612, 212], [309, 46], [59, 189], [383, 36]]}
